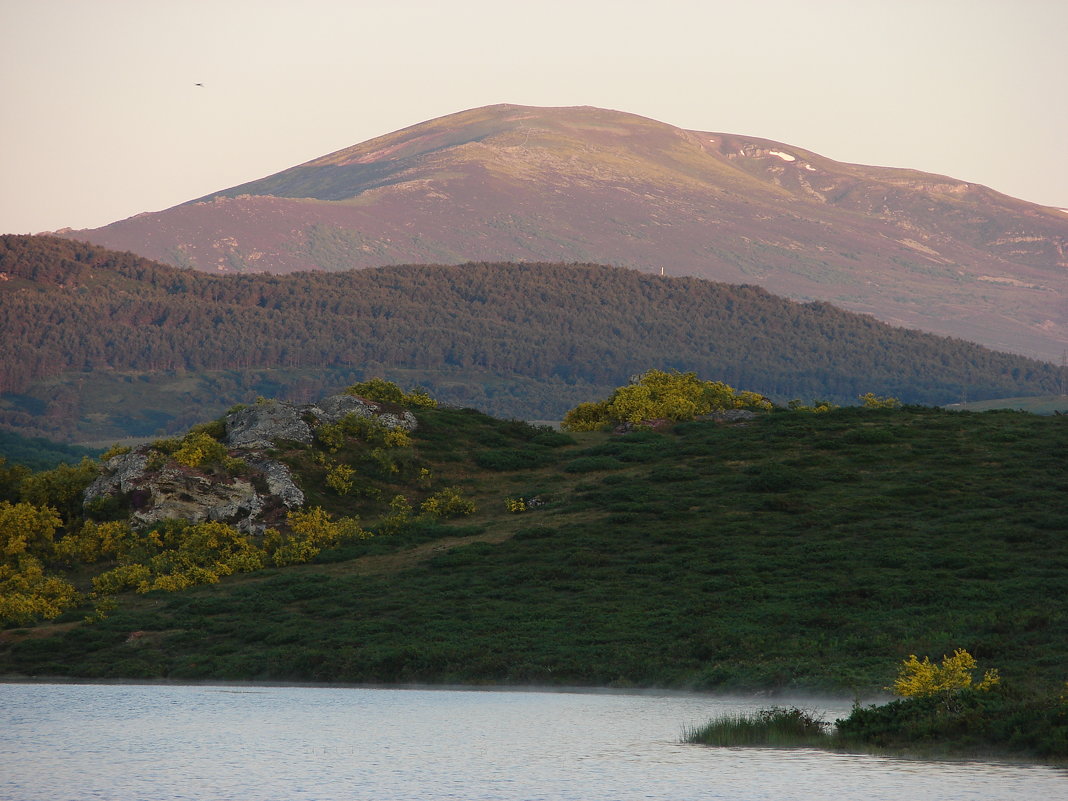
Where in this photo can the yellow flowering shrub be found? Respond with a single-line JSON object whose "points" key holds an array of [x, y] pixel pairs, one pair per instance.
{"points": [[196, 448], [448, 502], [311, 530], [917, 679], [382, 391], [96, 541], [870, 400], [339, 478], [26, 593], [661, 395], [124, 577]]}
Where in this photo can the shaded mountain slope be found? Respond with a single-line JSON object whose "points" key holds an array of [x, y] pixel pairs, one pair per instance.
{"points": [[515, 183]]}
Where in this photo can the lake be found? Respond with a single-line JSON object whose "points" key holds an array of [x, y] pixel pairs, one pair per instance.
{"points": [[163, 742]]}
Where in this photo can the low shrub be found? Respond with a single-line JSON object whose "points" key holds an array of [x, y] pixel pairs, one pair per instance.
{"points": [[971, 722], [447, 503], [511, 459], [590, 464]]}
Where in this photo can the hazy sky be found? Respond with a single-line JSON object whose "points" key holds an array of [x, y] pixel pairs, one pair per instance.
{"points": [[102, 118]]}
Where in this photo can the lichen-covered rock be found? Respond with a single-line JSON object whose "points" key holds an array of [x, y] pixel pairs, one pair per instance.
{"points": [[158, 488], [173, 493], [399, 419], [157, 492], [280, 482], [121, 474], [336, 407], [332, 409], [266, 423]]}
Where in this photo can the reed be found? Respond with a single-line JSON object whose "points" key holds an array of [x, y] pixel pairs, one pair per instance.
{"points": [[776, 726]]}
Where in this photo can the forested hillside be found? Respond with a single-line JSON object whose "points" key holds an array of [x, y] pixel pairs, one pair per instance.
{"points": [[78, 311]]}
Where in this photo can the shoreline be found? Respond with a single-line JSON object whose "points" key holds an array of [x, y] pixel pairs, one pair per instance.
{"points": [[930, 753], [767, 696]]}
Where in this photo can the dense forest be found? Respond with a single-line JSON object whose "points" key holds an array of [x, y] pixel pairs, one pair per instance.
{"points": [[67, 307]]}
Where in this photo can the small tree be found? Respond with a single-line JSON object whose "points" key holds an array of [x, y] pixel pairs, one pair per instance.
{"points": [[197, 448]]}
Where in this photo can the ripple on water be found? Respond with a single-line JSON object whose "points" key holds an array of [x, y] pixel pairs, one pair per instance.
{"points": [[166, 743]]}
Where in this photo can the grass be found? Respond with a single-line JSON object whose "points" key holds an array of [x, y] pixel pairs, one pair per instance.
{"points": [[798, 551], [775, 726]]}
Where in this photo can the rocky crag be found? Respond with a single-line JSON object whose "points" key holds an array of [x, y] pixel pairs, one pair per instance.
{"points": [[256, 490]]}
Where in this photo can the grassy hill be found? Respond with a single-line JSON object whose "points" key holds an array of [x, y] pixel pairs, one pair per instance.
{"points": [[796, 550]]}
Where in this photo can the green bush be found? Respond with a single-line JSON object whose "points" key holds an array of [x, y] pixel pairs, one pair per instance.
{"points": [[512, 459], [553, 439], [972, 721]]}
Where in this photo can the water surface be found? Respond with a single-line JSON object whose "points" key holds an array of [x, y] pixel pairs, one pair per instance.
{"points": [[164, 742]]}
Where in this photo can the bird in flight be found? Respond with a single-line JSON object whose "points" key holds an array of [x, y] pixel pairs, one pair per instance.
{"points": [[198, 84]]}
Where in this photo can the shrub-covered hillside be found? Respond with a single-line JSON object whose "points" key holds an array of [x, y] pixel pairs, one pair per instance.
{"points": [[793, 549]]}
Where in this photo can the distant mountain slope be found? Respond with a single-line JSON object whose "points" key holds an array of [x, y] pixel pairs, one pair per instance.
{"points": [[515, 183], [566, 332]]}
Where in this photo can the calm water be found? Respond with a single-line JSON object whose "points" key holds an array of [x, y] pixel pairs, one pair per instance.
{"points": [[169, 742]]}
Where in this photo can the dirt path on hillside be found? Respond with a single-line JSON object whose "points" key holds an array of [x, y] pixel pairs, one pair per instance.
{"points": [[402, 560]]}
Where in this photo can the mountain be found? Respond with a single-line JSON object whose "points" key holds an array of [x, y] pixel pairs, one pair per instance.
{"points": [[515, 183], [112, 345]]}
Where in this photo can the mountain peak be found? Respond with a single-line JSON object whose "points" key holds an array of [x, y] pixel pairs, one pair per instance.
{"points": [[579, 183]]}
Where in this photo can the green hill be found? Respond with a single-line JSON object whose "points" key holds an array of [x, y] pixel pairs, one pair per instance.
{"points": [[793, 550], [111, 345]]}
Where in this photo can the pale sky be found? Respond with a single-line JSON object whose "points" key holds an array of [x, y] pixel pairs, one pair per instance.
{"points": [[102, 118]]}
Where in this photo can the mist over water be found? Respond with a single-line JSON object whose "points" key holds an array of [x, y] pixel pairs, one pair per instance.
{"points": [[123, 742]]}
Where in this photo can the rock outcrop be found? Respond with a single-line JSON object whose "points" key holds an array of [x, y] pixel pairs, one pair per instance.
{"points": [[158, 488], [162, 491], [264, 424]]}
